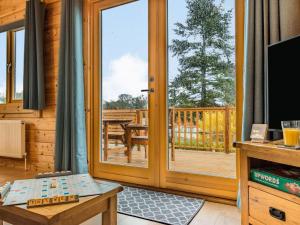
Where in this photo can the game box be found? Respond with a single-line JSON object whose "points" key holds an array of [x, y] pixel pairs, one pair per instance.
{"points": [[283, 179], [22, 191]]}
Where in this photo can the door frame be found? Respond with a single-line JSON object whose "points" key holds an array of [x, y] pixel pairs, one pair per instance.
{"points": [[138, 175], [160, 177]]}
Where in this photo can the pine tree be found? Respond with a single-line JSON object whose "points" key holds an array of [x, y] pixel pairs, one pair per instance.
{"points": [[205, 53]]}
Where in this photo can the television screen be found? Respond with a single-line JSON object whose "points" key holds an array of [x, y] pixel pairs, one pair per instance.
{"points": [[283, 86]]}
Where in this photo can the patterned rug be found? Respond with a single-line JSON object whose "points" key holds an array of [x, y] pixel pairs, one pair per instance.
{"points": [[157, 206]]}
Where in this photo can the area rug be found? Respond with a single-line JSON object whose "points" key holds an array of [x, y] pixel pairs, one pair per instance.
{"points": [[158, 206]]}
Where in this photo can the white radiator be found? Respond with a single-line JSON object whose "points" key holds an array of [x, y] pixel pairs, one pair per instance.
{"points": [[12, 138]]}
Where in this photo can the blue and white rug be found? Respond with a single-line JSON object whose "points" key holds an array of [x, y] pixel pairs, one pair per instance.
{"points": [[158, 206]]}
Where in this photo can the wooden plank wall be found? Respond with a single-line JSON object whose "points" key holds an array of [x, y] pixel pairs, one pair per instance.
{"points": [[40, 125]]}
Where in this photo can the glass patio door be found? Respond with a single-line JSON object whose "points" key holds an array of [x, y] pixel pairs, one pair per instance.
{"points": [[124, 91], [199, 115], [163, 98]]}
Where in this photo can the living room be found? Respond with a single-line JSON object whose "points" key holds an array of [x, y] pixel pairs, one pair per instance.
{"points": [[149, 112]]}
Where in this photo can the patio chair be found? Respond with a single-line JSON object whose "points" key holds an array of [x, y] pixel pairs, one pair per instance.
{"points": [[116, 136], [138, 140], [136, 134]]}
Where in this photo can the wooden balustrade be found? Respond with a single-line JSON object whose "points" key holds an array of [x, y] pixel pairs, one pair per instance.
{"points": [[209, 129]]}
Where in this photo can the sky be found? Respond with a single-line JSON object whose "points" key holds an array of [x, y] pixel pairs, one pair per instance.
{"points": [[2, 65], [19, 53], [125, 50], [125, 46], [20, 36]]}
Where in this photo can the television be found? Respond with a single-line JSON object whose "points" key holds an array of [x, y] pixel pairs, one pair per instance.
{"points": [[283, 83]]}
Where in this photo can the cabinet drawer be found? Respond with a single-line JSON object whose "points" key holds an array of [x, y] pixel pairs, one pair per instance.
{"points": [[270, 209]]}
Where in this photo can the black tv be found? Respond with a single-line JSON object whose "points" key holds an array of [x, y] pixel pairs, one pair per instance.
{"points": [[283, 86]]}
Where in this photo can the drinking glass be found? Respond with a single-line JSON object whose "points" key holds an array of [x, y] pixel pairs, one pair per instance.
{"points": [[291, 133]]}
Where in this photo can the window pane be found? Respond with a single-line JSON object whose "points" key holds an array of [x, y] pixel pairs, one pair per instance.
{"points": [[3, 52], [19, 64], [124, 64], [201, 87]]}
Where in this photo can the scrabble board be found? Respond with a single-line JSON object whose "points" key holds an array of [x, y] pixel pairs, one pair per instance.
{"points": [[4, 190], [24, 190]]}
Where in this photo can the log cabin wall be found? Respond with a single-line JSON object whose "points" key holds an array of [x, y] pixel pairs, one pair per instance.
{"points": [[40, 125]]}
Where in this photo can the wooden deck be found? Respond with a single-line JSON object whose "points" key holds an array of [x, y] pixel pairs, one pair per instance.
{"points": [[198, 162]]}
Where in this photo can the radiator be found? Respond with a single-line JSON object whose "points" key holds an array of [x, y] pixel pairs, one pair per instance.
{"points": [[12, 138]]}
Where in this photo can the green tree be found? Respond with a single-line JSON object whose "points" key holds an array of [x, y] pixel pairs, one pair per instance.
{"points": [[19, 95], [204, 49], [126, 101]]}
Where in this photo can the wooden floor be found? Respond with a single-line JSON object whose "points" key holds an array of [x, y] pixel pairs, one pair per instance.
{"points": [[191, 161], [210, 214]]}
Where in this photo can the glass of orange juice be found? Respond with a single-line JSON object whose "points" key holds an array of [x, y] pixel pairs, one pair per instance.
{"points": [[291, 133]]}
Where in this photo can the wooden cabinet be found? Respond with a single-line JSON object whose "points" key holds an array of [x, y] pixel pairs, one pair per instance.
{"points": [[262, 205]]}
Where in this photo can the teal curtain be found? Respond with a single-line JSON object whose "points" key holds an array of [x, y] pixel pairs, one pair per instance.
{"points": [[33, 85], [70, 147]]}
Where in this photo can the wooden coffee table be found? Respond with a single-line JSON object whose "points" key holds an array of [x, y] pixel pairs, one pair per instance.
{"points": [[67, 214]]}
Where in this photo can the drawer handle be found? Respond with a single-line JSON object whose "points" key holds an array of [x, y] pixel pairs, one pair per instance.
{"points": [[276, 213]]}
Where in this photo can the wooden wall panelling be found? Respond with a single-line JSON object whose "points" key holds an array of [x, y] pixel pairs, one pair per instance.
{"points": [[6, 18], [7, 7], [40, 125], [49, 112]]}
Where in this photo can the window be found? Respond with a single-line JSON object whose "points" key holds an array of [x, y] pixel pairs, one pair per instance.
{"points": [[3, 67], [11, 65], [18, 62]]}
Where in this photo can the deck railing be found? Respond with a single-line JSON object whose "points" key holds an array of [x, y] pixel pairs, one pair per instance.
{"points": [[209, 129]]}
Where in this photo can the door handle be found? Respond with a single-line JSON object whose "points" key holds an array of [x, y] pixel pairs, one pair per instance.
{"points": [[8, 67], [276, 213], [151, 90]]}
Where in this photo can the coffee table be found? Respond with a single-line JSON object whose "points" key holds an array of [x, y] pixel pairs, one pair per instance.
{"points": [[67, 214]]}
